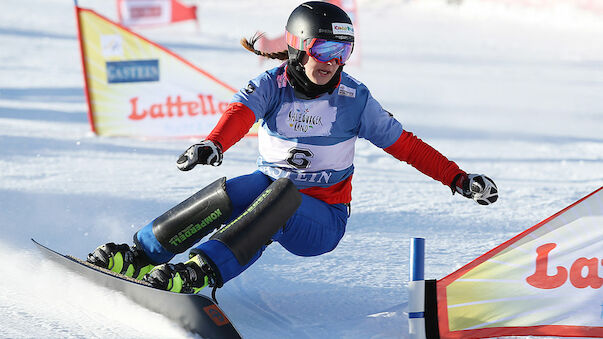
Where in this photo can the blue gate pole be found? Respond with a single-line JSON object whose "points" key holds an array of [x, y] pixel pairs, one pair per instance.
{"points": [[416, 289]]}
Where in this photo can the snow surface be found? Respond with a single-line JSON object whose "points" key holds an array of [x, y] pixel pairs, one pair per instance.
{"points": [[514, 93]]}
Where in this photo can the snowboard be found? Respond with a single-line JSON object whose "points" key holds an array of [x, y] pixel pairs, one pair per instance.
{"points": [[194, 312]]}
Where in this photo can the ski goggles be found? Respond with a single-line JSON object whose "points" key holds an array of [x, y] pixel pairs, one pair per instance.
{"points": [[322, 50], [326, 50]]}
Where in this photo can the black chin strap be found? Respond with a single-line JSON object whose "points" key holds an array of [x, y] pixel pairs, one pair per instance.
{"points": [[304, 88]]}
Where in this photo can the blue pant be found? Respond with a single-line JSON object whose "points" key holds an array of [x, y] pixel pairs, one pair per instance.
{"points": [[314, 229]]}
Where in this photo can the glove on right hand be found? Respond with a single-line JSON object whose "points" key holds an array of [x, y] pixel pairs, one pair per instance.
{"points": [[206, 153]]}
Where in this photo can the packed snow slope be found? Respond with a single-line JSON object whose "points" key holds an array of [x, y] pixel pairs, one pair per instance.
{"points": [[513, 93]]}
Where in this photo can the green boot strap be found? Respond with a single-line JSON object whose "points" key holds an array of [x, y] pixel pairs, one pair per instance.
{"points": [[197, 260], [116, 263], [143, 271], [175, 284]]}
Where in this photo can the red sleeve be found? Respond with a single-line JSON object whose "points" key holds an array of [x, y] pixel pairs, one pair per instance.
{"points": [[233, 125], [426, 159]]}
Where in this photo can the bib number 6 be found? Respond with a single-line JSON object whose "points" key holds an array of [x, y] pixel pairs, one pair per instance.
{"points": [[298, 158]]}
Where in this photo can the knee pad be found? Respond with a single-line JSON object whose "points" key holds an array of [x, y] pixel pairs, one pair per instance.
{"points": [[188, 222], [254, 228]]}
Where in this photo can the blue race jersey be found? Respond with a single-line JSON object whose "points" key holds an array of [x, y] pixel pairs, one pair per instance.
{"points": [[312, 141]]}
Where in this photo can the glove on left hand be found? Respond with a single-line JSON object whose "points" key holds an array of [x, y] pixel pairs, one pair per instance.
{"points": [[477, 187]]}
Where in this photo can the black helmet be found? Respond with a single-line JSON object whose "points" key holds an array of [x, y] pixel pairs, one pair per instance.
{"points": [[316, 19]]}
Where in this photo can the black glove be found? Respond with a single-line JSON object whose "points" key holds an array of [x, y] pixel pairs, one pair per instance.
{"points": [[205, 153], [477, 187]]}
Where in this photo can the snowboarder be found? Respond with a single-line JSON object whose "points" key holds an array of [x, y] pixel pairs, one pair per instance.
{"points": [[311, 114]]}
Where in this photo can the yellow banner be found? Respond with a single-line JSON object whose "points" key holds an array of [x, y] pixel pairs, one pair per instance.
{"points": [[546, 281], [137, 88]]}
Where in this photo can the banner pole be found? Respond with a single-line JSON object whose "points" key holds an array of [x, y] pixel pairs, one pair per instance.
{"points": [[416, 289], [84, 69]]}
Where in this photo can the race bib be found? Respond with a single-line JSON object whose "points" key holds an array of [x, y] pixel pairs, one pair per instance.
{"points": [[301, 119]]}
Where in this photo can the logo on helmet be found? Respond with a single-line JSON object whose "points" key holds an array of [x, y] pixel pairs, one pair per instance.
{"points": [[342, 28]]}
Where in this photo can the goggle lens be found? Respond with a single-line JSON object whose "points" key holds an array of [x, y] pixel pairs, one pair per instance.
{"points": [[325, 50]]}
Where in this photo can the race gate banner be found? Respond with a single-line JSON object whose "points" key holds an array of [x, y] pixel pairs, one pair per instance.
{"points": [[545, 281], [135, 87]]}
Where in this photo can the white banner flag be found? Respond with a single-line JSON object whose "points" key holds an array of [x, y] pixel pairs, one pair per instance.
{"points": [[546, 281]]}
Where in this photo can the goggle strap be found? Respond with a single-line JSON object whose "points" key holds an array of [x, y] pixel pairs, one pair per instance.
{"points": [[294, 41]]}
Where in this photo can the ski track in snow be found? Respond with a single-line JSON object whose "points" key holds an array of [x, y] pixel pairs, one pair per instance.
{"points": [[512, 93]]}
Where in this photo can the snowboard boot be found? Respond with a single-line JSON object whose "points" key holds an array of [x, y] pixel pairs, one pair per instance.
{"points": [[188, 277], [123, 259]]}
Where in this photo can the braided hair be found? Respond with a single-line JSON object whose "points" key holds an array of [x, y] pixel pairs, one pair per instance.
{"points": [[248, 44]]}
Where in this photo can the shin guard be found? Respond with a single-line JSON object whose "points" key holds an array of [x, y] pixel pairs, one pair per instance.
{"points": [[182, 226], [254, 228]]}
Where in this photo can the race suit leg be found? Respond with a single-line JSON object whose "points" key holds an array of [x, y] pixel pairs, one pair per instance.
{"points": [[315, 228]]}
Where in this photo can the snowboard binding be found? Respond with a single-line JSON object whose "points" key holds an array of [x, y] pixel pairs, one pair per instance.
{"points": [[123, 259], [188, 277]]}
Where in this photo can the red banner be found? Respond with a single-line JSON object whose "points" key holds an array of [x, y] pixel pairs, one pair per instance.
{"points": [[153, 12]]}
